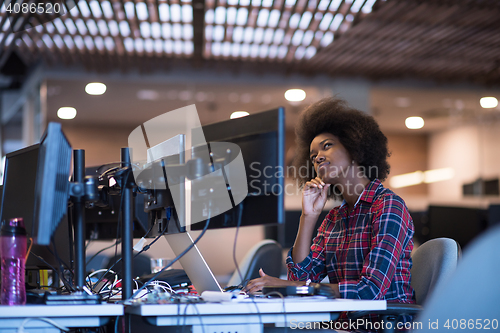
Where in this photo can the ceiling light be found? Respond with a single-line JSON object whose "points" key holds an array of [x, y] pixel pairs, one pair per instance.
{"points": [[150, 95], [95, 88], [239, 114], [488, 102], [242, 17], [246, 98], [187, 13], [402, 102], [367, 8], [414, 122], [437, 175], [233, 97], [66, 112], [266, 99], [274, 18], [419, 177], [185, 95], [201, 96], [336, 22], [164, 12], [407, 179], [295, 95]]}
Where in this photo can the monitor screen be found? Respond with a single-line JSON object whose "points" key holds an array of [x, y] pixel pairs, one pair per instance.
{"points": [[52, 183], [261, 138], [19, 201], [493, 215], [459, 223]]}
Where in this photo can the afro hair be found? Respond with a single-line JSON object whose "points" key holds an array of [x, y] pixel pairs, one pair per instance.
{"points": [[357, 131]]}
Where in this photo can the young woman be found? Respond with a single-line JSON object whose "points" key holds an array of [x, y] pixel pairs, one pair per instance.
{"points": [[363, 245]]}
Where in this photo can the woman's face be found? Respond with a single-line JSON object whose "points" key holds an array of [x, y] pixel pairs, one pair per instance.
{"points": [[330, 158]]}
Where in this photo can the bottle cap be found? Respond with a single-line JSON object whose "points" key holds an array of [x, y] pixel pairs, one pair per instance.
{"points": [[15, 226], [17, 222]]}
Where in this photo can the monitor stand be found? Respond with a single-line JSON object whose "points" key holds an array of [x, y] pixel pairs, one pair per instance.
{"points": [[193, 263]]}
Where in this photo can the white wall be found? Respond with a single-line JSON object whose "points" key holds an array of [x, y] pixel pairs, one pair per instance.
{"points": [[473, 152], [490, 159], [459, 149]]}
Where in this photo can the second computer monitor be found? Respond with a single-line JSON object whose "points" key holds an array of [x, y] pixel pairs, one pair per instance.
{"points": [[19, 201], [261, 138]]}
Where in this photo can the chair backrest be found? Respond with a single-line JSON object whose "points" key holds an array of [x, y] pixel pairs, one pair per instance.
{"points": [[141, 265], [99, 261], [471, 294], [433, 261], [267, 254]]}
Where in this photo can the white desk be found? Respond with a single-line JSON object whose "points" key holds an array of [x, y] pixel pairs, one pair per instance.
{"points": [[97, 315], [248, 316]]}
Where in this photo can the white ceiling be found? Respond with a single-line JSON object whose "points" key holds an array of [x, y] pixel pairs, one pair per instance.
{"points": [[122, 105], [439, 107]]}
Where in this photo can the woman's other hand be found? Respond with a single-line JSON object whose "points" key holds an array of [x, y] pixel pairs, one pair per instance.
{"points": [[266, 280]]}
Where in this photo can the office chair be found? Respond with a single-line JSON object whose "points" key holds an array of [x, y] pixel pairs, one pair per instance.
{"points": [[141, 265], [267, 254], [470, 298], [433, 261], [94, 263]]}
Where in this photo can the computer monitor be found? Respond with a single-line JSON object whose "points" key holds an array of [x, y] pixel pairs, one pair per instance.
{"points": [[52, 183], [18, 200], [493, 215], [459, 223], [261, 138]]}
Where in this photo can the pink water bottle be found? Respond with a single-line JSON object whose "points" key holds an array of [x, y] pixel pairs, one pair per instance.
{"points": [[13, 254]]}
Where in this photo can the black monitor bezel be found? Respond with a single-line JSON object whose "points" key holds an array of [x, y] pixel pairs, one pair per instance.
{"points": [[5, 175], [262, 123], [63, 232]]}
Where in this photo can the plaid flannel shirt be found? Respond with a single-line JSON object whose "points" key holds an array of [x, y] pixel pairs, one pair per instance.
{"points": [[367, 251]]}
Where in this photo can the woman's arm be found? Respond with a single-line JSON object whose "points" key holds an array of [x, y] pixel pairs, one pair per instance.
{"points": [[302, 245], [314, 197]]}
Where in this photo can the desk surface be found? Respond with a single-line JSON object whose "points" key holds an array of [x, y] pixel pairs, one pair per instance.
{"points": [[88, 315], [258, 306], [51, 311], [249, 315]]}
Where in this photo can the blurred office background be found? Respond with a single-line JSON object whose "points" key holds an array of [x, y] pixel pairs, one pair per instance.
{"points": [[393, 59]]}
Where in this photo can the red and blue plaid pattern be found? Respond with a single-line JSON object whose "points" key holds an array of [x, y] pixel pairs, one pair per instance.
{"points": [[367, 251]]}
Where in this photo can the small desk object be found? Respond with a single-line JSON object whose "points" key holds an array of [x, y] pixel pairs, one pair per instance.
{"points": [[249, 316], [93, 315]]}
